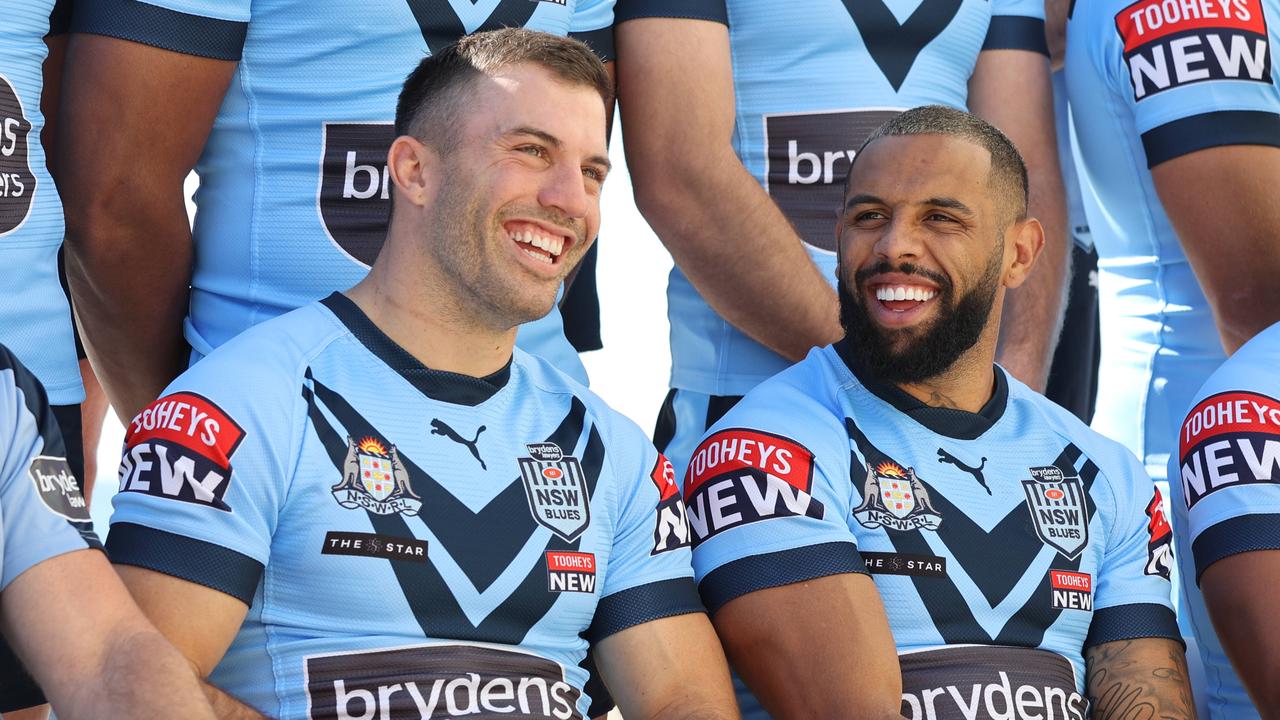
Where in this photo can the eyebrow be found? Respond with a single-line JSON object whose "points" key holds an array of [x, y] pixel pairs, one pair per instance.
{"points": [[554, 142], [862, 199], [943, 202]]}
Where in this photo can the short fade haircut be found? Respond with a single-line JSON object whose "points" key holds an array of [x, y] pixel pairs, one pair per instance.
{"points": [[436, 90], [1008, 171]]}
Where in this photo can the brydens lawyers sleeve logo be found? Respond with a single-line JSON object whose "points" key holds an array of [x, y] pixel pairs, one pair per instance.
{"points": [[1058, 510], [671, 522], [1229, 440], [58, 488], [1171, 43], [741, 476], [557, 490], [895, 498], [374, 478], [180, 448]]}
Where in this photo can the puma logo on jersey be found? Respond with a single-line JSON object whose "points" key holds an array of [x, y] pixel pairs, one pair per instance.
{"points": [[438, 427], [976, 472]]}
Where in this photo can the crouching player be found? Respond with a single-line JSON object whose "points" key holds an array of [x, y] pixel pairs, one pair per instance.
{"points": [[1014, 551], [373, 507]]}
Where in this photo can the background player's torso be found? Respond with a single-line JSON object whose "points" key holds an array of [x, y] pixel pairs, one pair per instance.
{"points": [[811, 82], [36, 322]]}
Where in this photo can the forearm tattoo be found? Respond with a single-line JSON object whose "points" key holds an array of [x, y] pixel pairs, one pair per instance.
{"points": [[1128, 685]]}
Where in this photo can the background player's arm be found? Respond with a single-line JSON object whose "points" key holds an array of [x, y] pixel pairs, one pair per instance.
{"points": [[124, 149], [90, 648], [1239, 594], [1145, 677], [1032, 313], [675, 86], [200, 621], [1221, 202], [840, 662], [668, 669]]}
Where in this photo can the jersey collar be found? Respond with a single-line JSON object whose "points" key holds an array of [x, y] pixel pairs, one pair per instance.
{"points": [[952, 423], [439, 385]]}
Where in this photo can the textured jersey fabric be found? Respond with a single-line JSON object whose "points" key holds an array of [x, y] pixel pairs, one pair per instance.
{"points": [[811, 81], [294, 195], [406, 538], [1227, 466], [1150, 82], [1003, 543], [35, 320]]}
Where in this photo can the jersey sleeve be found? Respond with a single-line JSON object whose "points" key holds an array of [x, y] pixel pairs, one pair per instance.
{"points": [[204, 475], [1132, 599], [713, 10], [592, 23], [1228, 469], [206, 28], [1195, 77], [767, 509], [42, 512], [1016, 25], [650, 575]]}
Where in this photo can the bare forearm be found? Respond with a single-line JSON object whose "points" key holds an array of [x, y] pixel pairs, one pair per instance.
{"points": [[1125, 684], [141, 676], [740, 252]]}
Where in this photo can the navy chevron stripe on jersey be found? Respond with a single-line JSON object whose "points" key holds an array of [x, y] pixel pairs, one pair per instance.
{"points": [[895, 46], [441, 26]]}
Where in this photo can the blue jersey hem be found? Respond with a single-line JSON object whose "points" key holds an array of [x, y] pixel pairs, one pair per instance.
{"points": [[162, 28], [1214, 129], [213, 566], [642, 604], [785, 567], [1234, 536], [713, 10], [1129, 622], [1011, 32]]}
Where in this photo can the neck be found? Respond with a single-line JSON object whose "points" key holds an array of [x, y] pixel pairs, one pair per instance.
{"points": [[967, 385], [422, 314]]}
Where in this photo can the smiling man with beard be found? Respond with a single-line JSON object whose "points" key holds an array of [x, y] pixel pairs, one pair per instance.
{"points": [[1019, 558]]}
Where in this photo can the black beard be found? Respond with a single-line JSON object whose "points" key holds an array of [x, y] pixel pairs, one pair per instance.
{"points": [[932, 349]]}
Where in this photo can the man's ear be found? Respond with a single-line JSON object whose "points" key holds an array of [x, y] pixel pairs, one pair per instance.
{"points": [[414, 169], [1027, 240]]}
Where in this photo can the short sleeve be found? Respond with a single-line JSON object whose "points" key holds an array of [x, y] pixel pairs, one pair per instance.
{"points": [[767, 509], [712, 10], [592, 23], [1195, 80], [1132, 597], [206, 28], [42, 512], [204, 474], [1016, 25], [1228, 469], [649, 575]]}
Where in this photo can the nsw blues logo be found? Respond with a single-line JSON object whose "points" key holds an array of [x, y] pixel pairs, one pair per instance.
{"points": [[1058, 510], [557, 490], [374, 478], [896, 499]]}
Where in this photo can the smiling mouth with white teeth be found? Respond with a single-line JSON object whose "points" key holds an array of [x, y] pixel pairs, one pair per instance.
{"points": [[536, 242], [904, 292]]}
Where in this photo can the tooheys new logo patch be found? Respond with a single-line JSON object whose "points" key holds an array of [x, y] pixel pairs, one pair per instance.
{"points": [[432, 682], [807, 156], [740, 476], [1159, 539], [180, 448], [1058, 509], [1171, 43], [894, 498], [17, 181], [1229, 439], [557, 490], [671, 522], [354, 193]]}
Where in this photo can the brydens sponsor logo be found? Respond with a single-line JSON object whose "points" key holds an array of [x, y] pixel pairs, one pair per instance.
{"points": [[428, 682], [740, 476], [989, 683], [1227, 440]]}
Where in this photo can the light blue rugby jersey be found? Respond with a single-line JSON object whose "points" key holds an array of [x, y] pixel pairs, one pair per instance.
{"points": [[1228, 469], [294, 195], [35, 320], [42, 513], [1148, 86], [408, 540], [1002, 542], [811, 81]]}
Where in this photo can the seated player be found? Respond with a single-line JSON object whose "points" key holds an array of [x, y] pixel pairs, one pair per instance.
{"points": [[97, 660], [373, 507], [1008, 542], [1228, 462]]}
